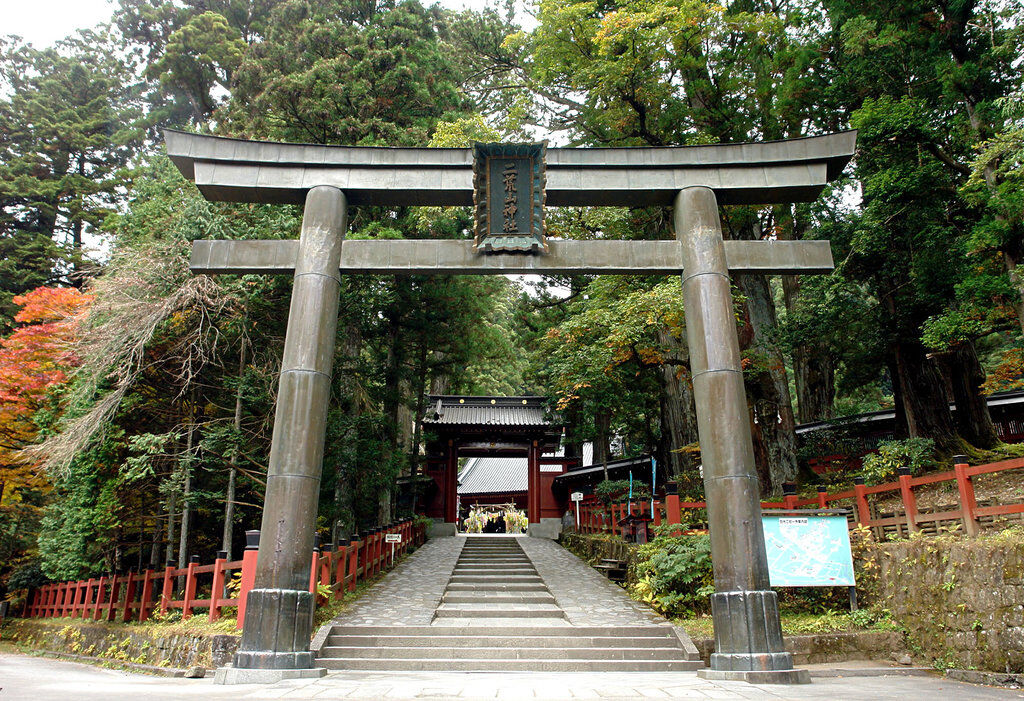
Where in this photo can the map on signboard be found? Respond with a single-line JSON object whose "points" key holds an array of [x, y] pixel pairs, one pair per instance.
{"points": [[808, 551]]}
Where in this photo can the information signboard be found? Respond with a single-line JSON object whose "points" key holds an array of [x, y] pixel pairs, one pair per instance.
{"points": [[810, 550], [392, 537]]}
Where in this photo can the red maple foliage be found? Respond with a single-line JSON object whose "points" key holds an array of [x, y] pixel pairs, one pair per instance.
{"points": [[33, 359]]}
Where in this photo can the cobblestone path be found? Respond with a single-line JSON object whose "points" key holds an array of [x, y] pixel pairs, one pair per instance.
{"points": [[583, 593], [410, 593]]}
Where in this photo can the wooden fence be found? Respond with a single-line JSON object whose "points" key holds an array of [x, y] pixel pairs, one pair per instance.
{"points": [[968, 512], [136, 596]]}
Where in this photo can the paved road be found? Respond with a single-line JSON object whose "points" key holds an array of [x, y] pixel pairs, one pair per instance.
{"points": [[40, 679]]}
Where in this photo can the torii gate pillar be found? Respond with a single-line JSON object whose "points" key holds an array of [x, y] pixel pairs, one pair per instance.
{"points": [[279, 612], [748, 637]]}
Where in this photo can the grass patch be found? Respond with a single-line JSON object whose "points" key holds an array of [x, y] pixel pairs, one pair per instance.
{"points": [[802, 623]]}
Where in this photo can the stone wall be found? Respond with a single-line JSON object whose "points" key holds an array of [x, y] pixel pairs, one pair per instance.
{"points": [[594, 548], [961, 600], [162, 646], [829, 647]]}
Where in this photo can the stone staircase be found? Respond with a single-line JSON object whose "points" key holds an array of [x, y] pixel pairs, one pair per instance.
{"points": [[497, 614], [494, 579]]}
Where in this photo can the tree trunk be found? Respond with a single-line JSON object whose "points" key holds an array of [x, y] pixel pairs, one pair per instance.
{"points": [[814, 372], [1010, 263], [814, 368], [965, 375], [229, 498], [602, 422], [678, 413], [169, 555], [393, 390], [772, 403], [186, 492], [924, 399], [154, 551], [344, 516]]}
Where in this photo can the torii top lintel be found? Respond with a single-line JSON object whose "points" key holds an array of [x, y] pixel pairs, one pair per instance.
{"points": [[771, 172]]}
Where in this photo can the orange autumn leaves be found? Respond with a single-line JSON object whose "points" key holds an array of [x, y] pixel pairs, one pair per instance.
{"points": [[34, 358]]}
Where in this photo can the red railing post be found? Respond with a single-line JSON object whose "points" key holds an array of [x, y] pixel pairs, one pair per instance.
{"points": [[129, 598], [115, 590], [789, 495], [326, 560], [341, 557], [145, 601], [168, 591], [656, 515], [75, 589], [217, 592], [965, 489], [314, 570], [88, 603], [252, 547], [190, 587], [353, 561], [909, 500], [100, 598], [673, 513], [70, 595], [822, 496], [863, 512]]}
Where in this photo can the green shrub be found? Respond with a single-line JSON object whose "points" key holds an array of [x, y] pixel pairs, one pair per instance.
{"points": [[915, 453], [673, 574], [610, 491]]}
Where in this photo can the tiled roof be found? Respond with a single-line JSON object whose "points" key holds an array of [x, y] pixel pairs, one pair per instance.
{"points": [[493, 476], [502, 475], [486, 411]]}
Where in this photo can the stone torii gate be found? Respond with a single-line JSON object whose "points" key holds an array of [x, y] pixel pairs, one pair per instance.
{"points": [[694, 180]]}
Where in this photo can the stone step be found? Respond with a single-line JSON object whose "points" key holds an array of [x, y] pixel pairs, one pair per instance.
{"points": [[492, 552], [496, 570], [488, 578], [500, 598], [486, 638], [509, 559], [501, 653], [496, 586], [498, 611], [489, 624], [652, 631], [519, 665]]}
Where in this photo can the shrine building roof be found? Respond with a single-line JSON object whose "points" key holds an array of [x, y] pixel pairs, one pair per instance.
{"points": [[455, 410]]}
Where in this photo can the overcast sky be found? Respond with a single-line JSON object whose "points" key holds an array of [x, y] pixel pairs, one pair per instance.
{"points": [[42, 22]]}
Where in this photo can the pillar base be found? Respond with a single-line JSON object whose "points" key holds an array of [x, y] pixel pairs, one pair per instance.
{"points": [[442, 529], [748, 636], [775, 676], [277, 630], [235, 675], [547, 528]]}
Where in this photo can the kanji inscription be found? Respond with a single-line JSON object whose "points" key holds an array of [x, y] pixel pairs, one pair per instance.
{"points": [[509, 197]]}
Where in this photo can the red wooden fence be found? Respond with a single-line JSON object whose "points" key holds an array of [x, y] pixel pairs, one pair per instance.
{"points": [[135, 596], [597, 518]]}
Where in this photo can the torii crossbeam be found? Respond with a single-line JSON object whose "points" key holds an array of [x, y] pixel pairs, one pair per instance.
{"points": [[695, 180]]}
